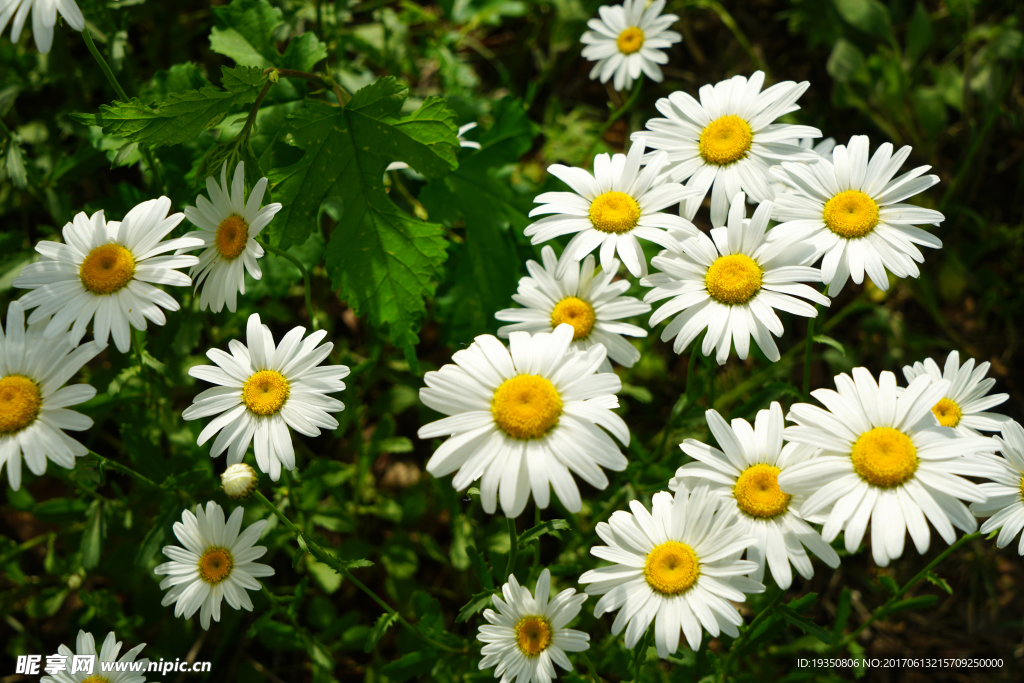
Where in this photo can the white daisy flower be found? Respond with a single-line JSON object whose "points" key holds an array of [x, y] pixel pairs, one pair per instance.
{"points": [[44, 18], [108, 270], [730, 284], [228, 226], [526, 637], [1005, 505], [963, 408], [627, 39], [263, 390], [216, 562], [727, 141], [678, 567], [610, 209], [746, 471], [823, 149], [883, 457], [33, 399], [850, 210], [86, 645], [399, 165], [592, 303], [522, 417]]}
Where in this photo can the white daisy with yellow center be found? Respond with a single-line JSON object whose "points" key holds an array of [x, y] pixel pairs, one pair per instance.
{"points": [[627, 39], [883, 457], [731, 285], [264, 390], [851, 210], [86, 645], [610, 210], [964, 407], [108, 271], [228, 226], [746, 471], [44, 18], [33, 399], [591, 302], [526, 636], [523, 418], [728, 141], [678, 567], [1005, 505], [216, 563]]}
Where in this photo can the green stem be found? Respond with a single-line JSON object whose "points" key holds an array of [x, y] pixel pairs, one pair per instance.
{"points": [[641, 653], [536, 548], [737, 644], [305, 277], [737, 32], [335, 564], [807, 358], [686, 400], [251, 121], [513, 540], [124, 469], [143, 149], [27, 545], [617, 114], [709, 366], [884, 609]]}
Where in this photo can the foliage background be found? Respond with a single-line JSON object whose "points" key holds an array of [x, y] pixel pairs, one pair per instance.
{"points": [[78, 547]]}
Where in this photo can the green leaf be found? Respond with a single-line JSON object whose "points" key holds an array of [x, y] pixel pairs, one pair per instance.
{"points": [[383, 261], [803, 603], [417, 663], [154, 538], [842, 615], [477, 603], [384, 622], [550, 527], [829, 341], [92, 536], [245, 33], [919, 33], [937, 580], [889, 583], [14, 165], [483, 572], [869, 16], [920, 602], [181, 117], [845, 62], [806, 625]]}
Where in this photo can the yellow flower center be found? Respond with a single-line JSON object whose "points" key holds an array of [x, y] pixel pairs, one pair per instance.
{"points": [[575, 312], [19, 403], [527, 406], [94, 679], [725, 140], [614, 212], [884, 457], [672, 568], [533, 635], [232, 236], [265, 392], [630, 40], [947, 412], [215, 565], [107, 268], [758, 494], [733, 279], [851, 214]]}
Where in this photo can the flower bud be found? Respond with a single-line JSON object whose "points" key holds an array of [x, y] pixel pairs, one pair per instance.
{"points": [[239, 481]]}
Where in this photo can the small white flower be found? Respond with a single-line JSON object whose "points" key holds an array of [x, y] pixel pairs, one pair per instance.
{"points": [[33, 399], [884, 458], [962, 408], [730, 284], [526, 637], [108, 270], [849, 209], [728, 140], [86, 645], [610, 209], [678, 567], [239, 481], [521, 418], [399, 165], [228, 226], [216, 562], [592, 303], [44, 18], [746, 472], [627, 39], [1005, 505], [263, 390]]}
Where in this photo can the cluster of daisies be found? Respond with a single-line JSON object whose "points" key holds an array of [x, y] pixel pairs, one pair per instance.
{"points": [[523, 419]]}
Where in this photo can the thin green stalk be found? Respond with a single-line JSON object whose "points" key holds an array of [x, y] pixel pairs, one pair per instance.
{"points": [[737, 644], [737, 32], [676, 414], [884, 609], [19, 549], [617, 114], [807, 358], [640, 654], [536, 548], [513, 540], [124, 469], [143, 149], [709, 366], [335, 564], [305, 277]]}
